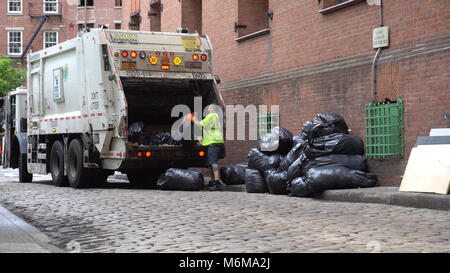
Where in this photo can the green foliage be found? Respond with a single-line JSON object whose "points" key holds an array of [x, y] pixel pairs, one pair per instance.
{"points": [[10, 76]]}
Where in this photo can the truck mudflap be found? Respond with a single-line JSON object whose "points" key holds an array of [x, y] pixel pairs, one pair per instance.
{"points": [[164, 156]]}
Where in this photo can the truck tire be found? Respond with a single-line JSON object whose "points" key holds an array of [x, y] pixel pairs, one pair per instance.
{"points": [[57, 165], [24, 176], [144, 178], [77, 175]]}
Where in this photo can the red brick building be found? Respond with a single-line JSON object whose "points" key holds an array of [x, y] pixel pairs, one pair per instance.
{"points": [[19, 20], [312, 57]]}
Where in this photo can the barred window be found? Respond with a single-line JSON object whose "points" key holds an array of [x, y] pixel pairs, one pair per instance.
{"points": [[50, 38], [118, 3], [14, 6], [14, 42], [50, 6]]}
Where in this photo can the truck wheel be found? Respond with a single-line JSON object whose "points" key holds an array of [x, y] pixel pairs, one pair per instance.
{"points": [[57, 165], [145, 178], [77, 175], [24, 176]]}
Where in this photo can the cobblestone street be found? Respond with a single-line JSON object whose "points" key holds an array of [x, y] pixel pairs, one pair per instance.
{"points": [[118, 218]]}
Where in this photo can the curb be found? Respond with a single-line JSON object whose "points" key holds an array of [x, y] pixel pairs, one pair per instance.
{"points": [[18, 236]]}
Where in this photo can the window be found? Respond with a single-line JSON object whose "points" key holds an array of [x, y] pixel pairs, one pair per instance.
{"points": [[117, 26], [118, 3], [384, 130], [253, 19], [266, 122], [14, 6], [14, 42], [332, 5], [50, 6], [155, 16], [50, 38], [89, 3], [81, 26], [191, 15]]}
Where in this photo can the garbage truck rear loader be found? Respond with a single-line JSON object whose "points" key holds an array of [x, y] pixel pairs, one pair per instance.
{"points": [[84, 94]]}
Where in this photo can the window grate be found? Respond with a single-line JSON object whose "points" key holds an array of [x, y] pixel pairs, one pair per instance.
{"points": [[384, 130], [266, 122]]}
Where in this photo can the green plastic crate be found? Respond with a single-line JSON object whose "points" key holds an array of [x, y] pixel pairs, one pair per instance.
{"points": [[384, 130]]}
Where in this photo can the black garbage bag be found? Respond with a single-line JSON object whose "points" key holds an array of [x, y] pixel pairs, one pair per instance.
{"points": [[299, 187], [354, 162], [279, 140], [233, 174], [163, 138], [295, 170], [296, 140], [136, 131], [254, 181], [181, 180], [293, 154], [338, 177], [328, 123], [276, 181], [335, 144], [261, 161], [307, 130]]}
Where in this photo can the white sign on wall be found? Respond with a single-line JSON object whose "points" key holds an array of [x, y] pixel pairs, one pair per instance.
{"points": [[380, 37]]}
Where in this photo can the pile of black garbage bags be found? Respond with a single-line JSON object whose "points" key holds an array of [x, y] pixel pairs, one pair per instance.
{"points": [[325, 156], [138, 134]]}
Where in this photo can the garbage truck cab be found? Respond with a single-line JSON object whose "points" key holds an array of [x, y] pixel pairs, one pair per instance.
{"points": [[85, 94]]}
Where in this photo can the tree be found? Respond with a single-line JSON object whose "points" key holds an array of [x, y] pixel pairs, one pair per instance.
{"points": [[10, 76]]}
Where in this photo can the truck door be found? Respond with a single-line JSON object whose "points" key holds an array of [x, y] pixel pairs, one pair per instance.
{"points": [[10, 114]]}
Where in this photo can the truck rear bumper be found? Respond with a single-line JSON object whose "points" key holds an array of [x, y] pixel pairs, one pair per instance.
{"points": [[180, 156]]}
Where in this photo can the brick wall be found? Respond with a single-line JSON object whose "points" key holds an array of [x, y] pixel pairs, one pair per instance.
{"points": [[313, 63]]}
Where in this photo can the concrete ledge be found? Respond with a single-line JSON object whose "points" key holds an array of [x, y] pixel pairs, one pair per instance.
{"points": [[389, 196]]}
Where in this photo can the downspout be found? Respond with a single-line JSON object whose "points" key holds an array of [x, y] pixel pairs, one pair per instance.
{"points": [[375, 59]]}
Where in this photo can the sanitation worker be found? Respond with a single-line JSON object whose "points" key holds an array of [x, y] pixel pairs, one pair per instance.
{"points": [[213, 140]]}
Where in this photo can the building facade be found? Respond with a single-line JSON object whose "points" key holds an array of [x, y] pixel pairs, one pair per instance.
{"points": [[312, 56], [19, 20]]}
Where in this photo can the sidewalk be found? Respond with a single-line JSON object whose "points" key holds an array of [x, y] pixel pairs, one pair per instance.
{"points": [[17, 236]]}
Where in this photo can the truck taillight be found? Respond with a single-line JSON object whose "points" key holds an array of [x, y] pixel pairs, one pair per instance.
{"points": [[153, 60], [165, 67], [124, 53], [139, 154], [201, 153], [195, 57], [204, 57], [177, 61], [148, 154], [116, 54], [142, 54], [133, 54]]}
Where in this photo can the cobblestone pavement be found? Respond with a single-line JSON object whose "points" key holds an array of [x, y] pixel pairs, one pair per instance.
{"points": [[118, 218]]}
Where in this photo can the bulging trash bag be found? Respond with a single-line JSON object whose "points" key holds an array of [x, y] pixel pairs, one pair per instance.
{"points": [[295, 170], [296, 140], [279, 140], [233, 174], [163, 138], [328, 123], [181, 180], [354, 162], [135, 131], [261, 161], [338, 177], [335, 144], [254, 181], [293, 154], [276, 181], [299, 187], [307, 130]]}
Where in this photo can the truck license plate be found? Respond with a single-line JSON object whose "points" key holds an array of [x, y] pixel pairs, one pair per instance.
{"points": [[128, 65]]}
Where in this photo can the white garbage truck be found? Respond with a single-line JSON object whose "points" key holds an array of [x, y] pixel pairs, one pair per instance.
{"points": [[84, 94]]}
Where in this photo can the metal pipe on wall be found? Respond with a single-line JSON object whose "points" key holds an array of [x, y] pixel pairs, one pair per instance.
{"points": [[375, 59]]}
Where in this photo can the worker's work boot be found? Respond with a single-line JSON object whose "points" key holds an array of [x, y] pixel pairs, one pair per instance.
{"points": [[214, 185]]}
